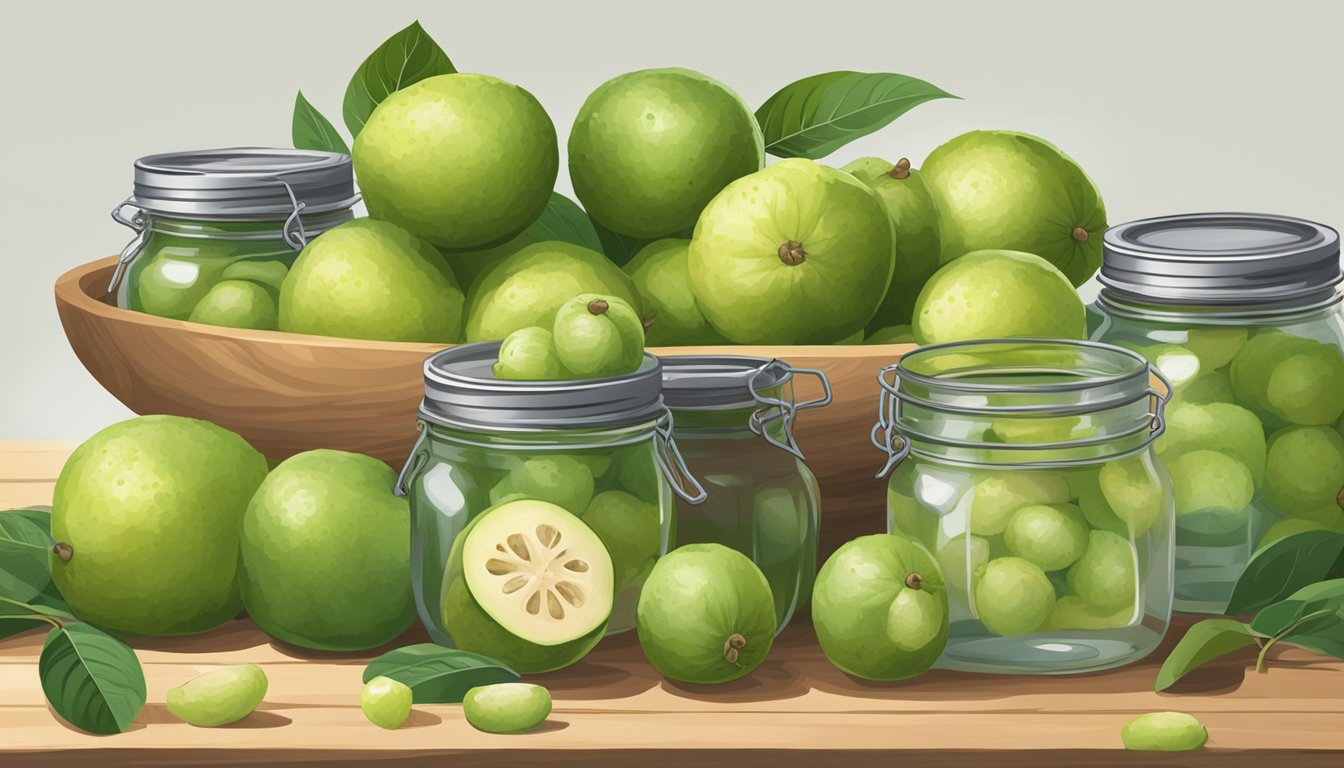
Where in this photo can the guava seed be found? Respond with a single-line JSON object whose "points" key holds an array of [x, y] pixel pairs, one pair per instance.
{"points": [[901, 170], [598, 306], [792, 253], [914, 581], [63, 551], [1080, 234]]}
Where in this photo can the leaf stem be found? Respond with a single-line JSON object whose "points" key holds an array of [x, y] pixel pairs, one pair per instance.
{"points": [[1264, 649], [34, 615]]}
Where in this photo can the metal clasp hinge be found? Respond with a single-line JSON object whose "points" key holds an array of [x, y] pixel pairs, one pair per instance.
{"points": [[776, 409]]}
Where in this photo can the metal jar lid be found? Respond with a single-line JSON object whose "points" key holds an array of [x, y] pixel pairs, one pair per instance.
{"points": [[1220, 259], [243, 183], [462, 392]]}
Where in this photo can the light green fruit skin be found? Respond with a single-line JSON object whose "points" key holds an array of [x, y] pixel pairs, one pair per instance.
{"points": [[1001, 189], [527, 354], [385, 702], [1177, 363], [649, 149], [1327, 515], [151, 508], [595, 345], [962, 563], [1304, 469], [1288, 527], [462, 160], [325, 553], [662, 274], [1164, 732], [631, 529], [856, 614], [219, 697], [470, 264], [506, 707], [998, 294], [1071, 612], [472, 629], [1207, 388], [1255, 363], [368, 279], [1222, 427], [528, 287], [996, 497], [1215, 346], [1104, 575], [269, 273], [918, 250], [561, 480], [1052, 537], [1209, 480], [1308, 388], [893, 334], [751, 296], [906, 516], [1097, 511], [1013, 596], [1028, 431], [1133, 489], [695, 600]]}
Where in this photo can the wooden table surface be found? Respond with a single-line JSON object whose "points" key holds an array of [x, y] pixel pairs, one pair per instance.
{"points": [[612, 709]]}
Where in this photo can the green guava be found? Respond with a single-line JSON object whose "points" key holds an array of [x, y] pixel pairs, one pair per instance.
{"points": [[1105, 575], [528, 287], [528, 354], [1215, 346], [470, 264], [998, 294], [797, 253], [1222, 427], [237, 304], [506, 707], [1288, 527], [1211, 387], [1051, 536], [220, 696], [1072, 613], [1210, 481], [385, 702], [1035, 430], [961, 559], [368, 279], [915, 217], [705, 615], [1133, 489], [267, 272], [596, 336], [662, 275], [1001, 189], [1013, 596], [1098, 513], [637, 472], [1304, 469], [146, 515], [559, 479], [631, 530], [462, 160], [907, 516], [1164, 732], [997, 496], [650, 148], [324, 560], [880, 609], [1177, 363], [174, 279], [892, 334], [1298, 380]]}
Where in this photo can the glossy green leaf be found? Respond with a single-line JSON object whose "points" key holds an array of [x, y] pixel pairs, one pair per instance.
{"points": [[438, 675], [17, 619], [817, 115], [564, 220], [312, 130], [1202, 643], [92, 680], [407, 57], [1286, 566], [1316, 609], [25, 554]]}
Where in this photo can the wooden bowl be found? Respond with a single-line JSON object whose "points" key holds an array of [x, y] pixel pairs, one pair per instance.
{"points": [[287, 392]]}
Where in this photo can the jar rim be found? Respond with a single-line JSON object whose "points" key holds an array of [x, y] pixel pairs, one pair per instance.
{"points": [[1135, 367]]}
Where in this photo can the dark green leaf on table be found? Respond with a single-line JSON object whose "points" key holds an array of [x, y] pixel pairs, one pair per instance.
{"points": [[565, 221], [92, 680], [1286, 566], [817, 115], [312, 130], [1202, 643], [438, 675], [407, 57], [25, 554]]}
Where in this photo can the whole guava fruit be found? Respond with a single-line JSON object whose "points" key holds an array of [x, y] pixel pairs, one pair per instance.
{"points": [[1013, 596], [237, 304], [892, 334], [918, 249], [528, 287], [879, 606], [998, 294], [324, 560], [462, 160], [662, 274], [528, 354], [467, 265], [597, 336], [268, 272], [146, 516], [796, 253], [220, 696], [368, 279], [650, 148], [631, 530], [1014, 191]]}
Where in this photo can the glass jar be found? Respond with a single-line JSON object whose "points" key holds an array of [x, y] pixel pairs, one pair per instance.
{"points": [[734, 425], [1026, 468], [1241, 313], [578, 444], [223, 214]]}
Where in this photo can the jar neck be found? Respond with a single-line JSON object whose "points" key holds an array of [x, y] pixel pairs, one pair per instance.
{"points": [[244, 229], [541, 440], [1119, 304]]}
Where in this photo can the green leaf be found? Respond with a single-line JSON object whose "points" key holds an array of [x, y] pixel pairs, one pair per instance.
{"points": [[17, 619], [91, 679], [312, 130], [1284, 567], [817, 115], [1315, 609], [39, 514], [407, 57], [25, 554], [1202, 643], [564, 220], [438, 675]]}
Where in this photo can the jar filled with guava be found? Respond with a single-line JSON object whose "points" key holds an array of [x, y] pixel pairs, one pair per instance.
{"points": [[538, 506], [734, 421], [1242, 314], [217, 230], [1027, 469]]}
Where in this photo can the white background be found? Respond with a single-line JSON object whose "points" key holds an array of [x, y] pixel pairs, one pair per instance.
{"points": [[1171, 106]]}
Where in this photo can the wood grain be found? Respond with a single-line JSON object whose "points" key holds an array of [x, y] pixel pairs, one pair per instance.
{"points": [[288, 393]]}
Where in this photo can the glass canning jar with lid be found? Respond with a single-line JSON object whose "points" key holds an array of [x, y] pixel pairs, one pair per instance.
{"points": [[1026, 467], [205, 216], [734, 424], [1242, 313], [602, 449]]}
